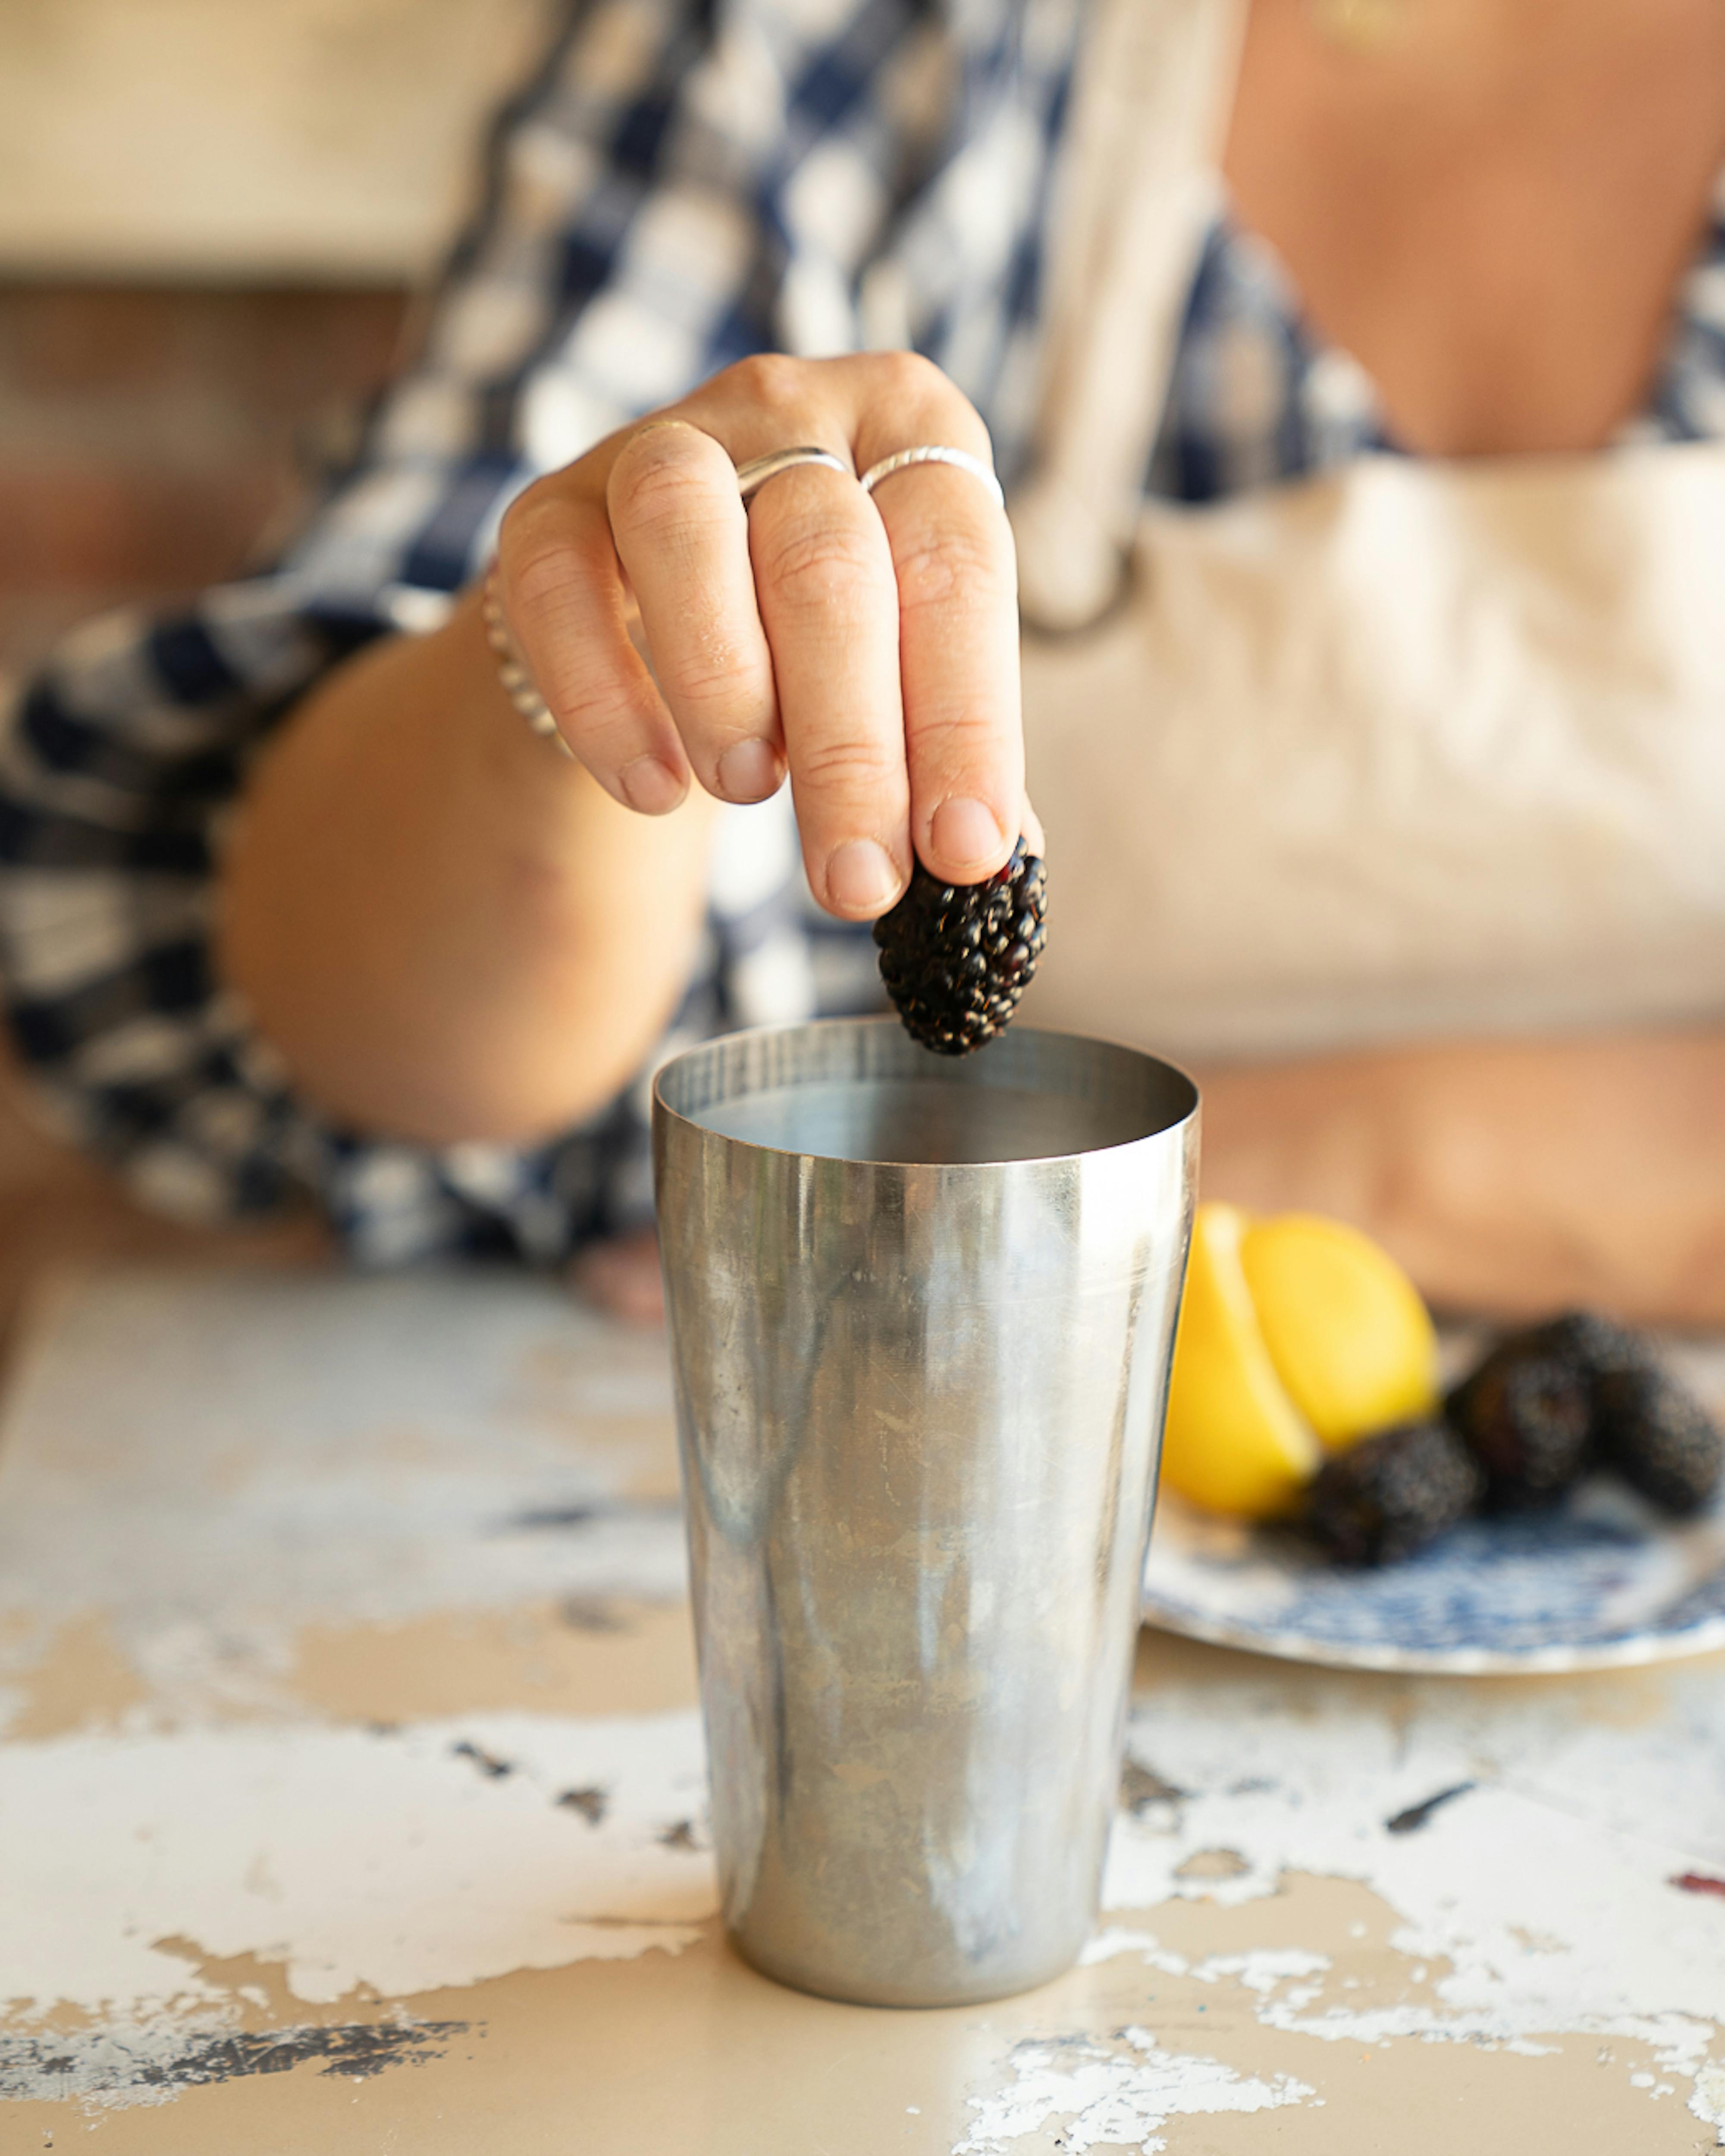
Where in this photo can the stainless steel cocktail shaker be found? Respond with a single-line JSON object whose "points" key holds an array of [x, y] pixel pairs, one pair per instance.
{"points": [[921, 1313]]}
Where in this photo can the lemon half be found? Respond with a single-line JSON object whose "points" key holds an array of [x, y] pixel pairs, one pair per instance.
{"points": [[1297, 1333], [1346, 1329], [1234, 1441]]}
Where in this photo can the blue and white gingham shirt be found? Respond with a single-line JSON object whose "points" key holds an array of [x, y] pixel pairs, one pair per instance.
{"points": [[681, 183]]}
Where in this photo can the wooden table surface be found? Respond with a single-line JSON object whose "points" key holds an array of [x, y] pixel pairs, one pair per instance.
{"points": [[351, 1800]]}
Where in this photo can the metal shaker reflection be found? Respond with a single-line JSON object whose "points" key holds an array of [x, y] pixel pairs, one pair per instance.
{"points": [[921, 1314]]}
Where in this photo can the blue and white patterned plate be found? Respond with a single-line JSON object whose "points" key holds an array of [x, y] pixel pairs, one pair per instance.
{"points": [[1604, 1581]]}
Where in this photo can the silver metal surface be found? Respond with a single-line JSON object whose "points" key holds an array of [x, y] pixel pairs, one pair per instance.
{"points": [[934, 452], [752, 476], [921, 1314]]}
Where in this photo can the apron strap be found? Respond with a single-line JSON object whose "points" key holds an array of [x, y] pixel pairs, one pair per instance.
{"points": [[1136, 193]]}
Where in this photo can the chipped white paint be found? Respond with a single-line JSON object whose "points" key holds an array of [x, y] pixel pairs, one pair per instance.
{"points": [[292, 1449], [1546, 1887], [1112, 2093], [401, 1860], [211, 1466], [115, 2064]]}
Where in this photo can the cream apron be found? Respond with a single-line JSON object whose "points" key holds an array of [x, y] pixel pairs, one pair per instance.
{"points": [[1415, 748]]}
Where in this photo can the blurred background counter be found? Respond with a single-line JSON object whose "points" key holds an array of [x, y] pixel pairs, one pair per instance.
{"points": [[212, 216]]}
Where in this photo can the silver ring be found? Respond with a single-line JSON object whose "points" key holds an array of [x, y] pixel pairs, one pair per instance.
{"points": [[754, 475], [933, 452]]}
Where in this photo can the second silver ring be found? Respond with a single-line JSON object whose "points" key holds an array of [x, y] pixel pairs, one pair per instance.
{"points": [[934, 452]]}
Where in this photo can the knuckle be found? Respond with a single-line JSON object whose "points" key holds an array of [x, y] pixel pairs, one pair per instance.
{"points": [[650, 488], [912, 393], [849, 765], [533, 519], [948, 570], [769, 378], [720, 691], [908, 375], [825, 568], [540, 549], [963, 741], [599, 715], [542, 570]]}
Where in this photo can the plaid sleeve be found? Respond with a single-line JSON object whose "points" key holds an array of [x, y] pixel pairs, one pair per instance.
{"points": [[682, 182], [685, 183], [116, 766]]}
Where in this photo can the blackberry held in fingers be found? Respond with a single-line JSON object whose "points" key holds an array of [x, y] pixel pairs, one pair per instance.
{"points": [[956, 957]]}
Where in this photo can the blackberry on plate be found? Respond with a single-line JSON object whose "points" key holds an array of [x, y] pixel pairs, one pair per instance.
{"points": [[1591, 1344], [1526, 1416], [1659, 1437], [956, 957], [1390, 1495]]}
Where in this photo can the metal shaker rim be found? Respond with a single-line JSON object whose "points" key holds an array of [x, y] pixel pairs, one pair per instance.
{"points": [[1131, 1097]]}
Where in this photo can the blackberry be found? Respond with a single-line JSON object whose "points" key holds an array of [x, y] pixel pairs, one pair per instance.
{"points": [[1526, 1416], [1658, 1436], [956, 957], [1591, 1344], [1519, 1413], [1391, 1494]]}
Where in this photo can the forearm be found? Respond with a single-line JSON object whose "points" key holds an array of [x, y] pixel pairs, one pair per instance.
{"points": [[1510, 1178], [449, 931]]}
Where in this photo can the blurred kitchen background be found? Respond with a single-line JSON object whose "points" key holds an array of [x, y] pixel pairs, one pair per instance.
{"points": [[213, 213], [213, 217]]}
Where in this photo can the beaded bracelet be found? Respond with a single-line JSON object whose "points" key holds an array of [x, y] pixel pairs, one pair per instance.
{"points": [[511, 668]]}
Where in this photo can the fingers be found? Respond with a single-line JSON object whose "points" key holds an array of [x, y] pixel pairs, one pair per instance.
{"points": [[952, 560], [899, 702], [870, 643], [563, 594], [681, 533], [824, 576], [621, 1276]]}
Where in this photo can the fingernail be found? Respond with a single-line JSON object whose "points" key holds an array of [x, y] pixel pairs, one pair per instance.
{"points": [[749, 771], [860, 876], [651, 785], [964, 830]]}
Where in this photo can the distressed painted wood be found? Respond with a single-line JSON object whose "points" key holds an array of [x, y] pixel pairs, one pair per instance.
{"points": [[351, 1797]]}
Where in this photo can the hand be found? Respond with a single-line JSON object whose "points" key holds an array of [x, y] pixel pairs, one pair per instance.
{"points": [[869, 645], [621, 1276]]}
